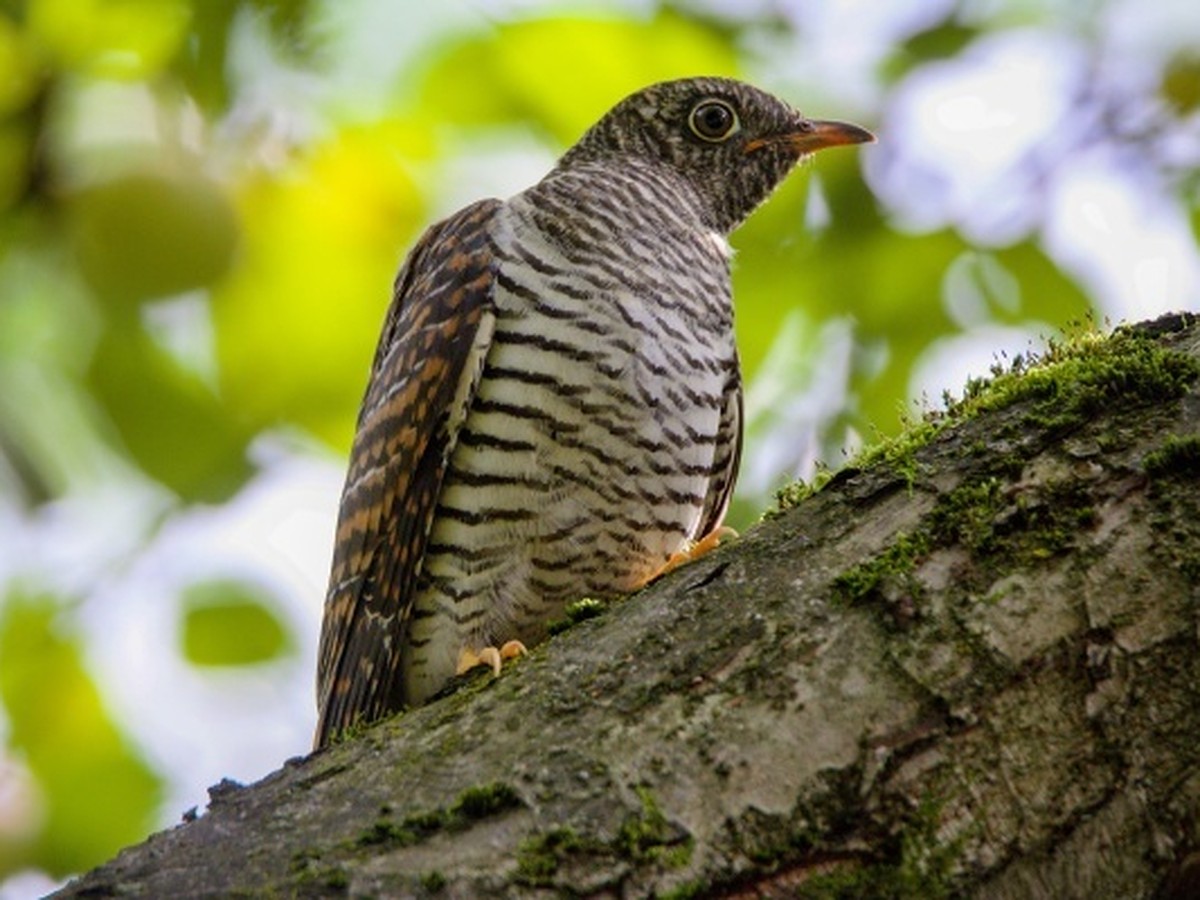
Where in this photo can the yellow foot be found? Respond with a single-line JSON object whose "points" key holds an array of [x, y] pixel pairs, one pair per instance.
{"points": [[489, 656], [695, 550]]}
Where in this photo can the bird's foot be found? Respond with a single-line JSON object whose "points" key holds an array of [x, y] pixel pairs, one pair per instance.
{"points": [[695, 550], [488, 656]]}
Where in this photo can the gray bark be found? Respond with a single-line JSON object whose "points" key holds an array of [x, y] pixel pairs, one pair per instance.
{"points": [[972, 671]]}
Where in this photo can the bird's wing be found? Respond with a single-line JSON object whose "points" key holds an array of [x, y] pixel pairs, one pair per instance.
{"points": [[728, 457], [423, 378]]}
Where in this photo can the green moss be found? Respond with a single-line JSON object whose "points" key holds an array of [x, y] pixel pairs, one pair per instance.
{"points": [[922, 868], [303, 859], [1000, 528], [483, 801], [334, 877], [1178, 456], [900, 451], [325, 878], [644, 838], [412, 830], [355, 729], [434, 882], [471, 805], [689, 890], [1189, 566], [579, 611], [1086, 373], [967, 515], [1065, 385], [792, 495], [1021, 528], [647, 836], [539, 857], [1176, 520], [308, 874], [896, 562], [1053, 525]]}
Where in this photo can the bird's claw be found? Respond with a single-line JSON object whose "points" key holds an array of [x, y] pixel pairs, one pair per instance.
{"points": [[488, 656], [695, 550]]}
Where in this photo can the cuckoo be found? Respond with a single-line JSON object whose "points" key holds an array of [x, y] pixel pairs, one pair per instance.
{"points": [[554, 410]]}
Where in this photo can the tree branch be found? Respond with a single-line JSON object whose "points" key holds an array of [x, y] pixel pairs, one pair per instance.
{"points": [[968, 669]]}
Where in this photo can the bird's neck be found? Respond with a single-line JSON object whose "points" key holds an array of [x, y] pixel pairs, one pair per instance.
{"points": [[627, 236], [630, 194]]}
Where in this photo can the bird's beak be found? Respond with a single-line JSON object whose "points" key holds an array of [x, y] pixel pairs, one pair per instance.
{"points": [[814, 135]]}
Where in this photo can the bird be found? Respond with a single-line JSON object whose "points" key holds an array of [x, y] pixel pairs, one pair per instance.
{"points": [[554, 409]]}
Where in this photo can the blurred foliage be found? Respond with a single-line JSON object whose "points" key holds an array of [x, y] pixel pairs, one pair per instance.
{"points": [[201, 65], [115, 39], [500, 78], [185, 267], [1181, 82], [944, 40], [152, 234], [227, 623], [295, 333], [96, 794]]}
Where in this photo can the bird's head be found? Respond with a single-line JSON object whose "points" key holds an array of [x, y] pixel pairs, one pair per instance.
{"points": [[732, 142]]}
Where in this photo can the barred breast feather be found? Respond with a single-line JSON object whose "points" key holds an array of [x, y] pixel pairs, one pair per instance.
{"points": [[605, 429]]}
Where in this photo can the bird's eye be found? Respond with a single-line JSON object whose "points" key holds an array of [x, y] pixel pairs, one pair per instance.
{"points": [[713, 120]]}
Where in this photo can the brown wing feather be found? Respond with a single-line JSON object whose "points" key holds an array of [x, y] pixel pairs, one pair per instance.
{"points": [[729, 434], [406, 430]]}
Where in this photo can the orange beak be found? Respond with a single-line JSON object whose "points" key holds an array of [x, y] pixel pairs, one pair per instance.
{"points": [[817, 135]]}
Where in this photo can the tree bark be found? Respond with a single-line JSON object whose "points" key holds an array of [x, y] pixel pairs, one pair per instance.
{"points": [[968, 669]]}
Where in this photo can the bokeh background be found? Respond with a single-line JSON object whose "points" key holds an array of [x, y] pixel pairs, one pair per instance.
{"points": [[203, 202]]}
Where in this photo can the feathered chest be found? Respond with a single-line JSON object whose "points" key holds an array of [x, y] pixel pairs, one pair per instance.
{"points": [[620, 283]]}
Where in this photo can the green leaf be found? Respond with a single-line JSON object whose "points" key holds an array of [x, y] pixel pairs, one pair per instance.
{"points": [[110, 38], [945, 40], [1181, 82], [98, 794], [20, 77], [230, 623], [169, 421], [153, 234]]}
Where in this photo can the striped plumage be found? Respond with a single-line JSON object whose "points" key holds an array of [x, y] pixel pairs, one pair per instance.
{"points": [[555, 405]]}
